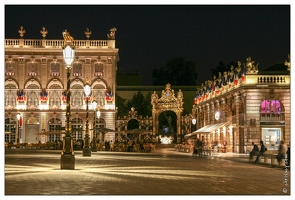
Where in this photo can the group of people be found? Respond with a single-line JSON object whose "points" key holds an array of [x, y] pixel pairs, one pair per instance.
{"points": [[282, 152]]}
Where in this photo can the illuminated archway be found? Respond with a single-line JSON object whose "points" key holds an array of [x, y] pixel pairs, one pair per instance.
{"points": [[167, 102]]}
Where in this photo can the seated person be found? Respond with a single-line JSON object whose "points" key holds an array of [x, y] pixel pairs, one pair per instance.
{"points": [[261, 152], [254, 151]]}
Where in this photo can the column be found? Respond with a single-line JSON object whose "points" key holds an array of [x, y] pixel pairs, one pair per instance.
{"points": [[238, 138]]}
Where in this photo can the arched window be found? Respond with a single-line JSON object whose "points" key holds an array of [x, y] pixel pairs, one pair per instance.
{"points": [[271, 110], [10, 129], [77, 126], [77, 96], [54, 125]]}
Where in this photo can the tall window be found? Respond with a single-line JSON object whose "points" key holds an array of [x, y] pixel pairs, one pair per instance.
{"points": [[32, 69], [98, 69], [33, 99], [77, 92], [54, 99], [10, 98], [99, 96], [77, 125], [77, 97], [55, 69], [54, 124], [77, 69], [9, 68], [10, 130]]}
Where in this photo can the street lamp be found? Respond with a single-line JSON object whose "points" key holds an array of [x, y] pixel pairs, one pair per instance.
{"points": [[98, 113], [67, 154], [94, 147], [194, 121], [17, 136], [86, 149]]}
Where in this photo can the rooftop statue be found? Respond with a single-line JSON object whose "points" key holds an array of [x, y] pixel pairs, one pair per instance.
{"points": [[67, 36]]}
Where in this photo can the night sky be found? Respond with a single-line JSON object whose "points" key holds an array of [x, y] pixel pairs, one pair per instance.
{"points": [[149, 35]]}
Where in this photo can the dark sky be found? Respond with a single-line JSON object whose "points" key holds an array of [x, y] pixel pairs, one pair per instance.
{"points": [[149, 35]]}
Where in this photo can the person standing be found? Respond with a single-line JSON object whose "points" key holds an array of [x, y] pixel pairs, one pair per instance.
{"points": [[261, 152], [112, 145], [254, 151], [288, 158], [282, 151]]}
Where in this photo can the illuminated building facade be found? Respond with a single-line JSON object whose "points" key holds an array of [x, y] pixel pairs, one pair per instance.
{"points": [[238, 107], [245, 105], [35, 87]]}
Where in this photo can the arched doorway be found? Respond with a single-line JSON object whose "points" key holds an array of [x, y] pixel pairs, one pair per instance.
{"points": [[32, 130], [167, 127], [168, 105]]}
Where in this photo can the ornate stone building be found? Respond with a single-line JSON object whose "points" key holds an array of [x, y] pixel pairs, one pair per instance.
{"points": [[244, 106], [35, 86], [236, 108]]}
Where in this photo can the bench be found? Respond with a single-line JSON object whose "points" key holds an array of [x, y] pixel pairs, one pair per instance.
{"points": [[272, 157]]}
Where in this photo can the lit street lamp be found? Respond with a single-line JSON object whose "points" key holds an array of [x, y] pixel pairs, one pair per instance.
{"points": [[86, 148], [17, 136], [194, 121], [67, 154], [94, 147]]}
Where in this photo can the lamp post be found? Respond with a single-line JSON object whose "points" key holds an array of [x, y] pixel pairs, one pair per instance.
{"points": [[67, 154], [86, 148], [94, 147], [194, 121], [17, 136]]}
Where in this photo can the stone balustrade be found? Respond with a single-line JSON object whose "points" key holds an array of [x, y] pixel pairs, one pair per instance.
{"points": [[44, 43]]}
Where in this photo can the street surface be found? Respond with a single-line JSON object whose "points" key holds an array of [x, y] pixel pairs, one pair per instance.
{"points": [[164, 172]]}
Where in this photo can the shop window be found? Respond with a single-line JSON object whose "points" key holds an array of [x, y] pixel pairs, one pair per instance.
{"points": [[271, 137]]}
